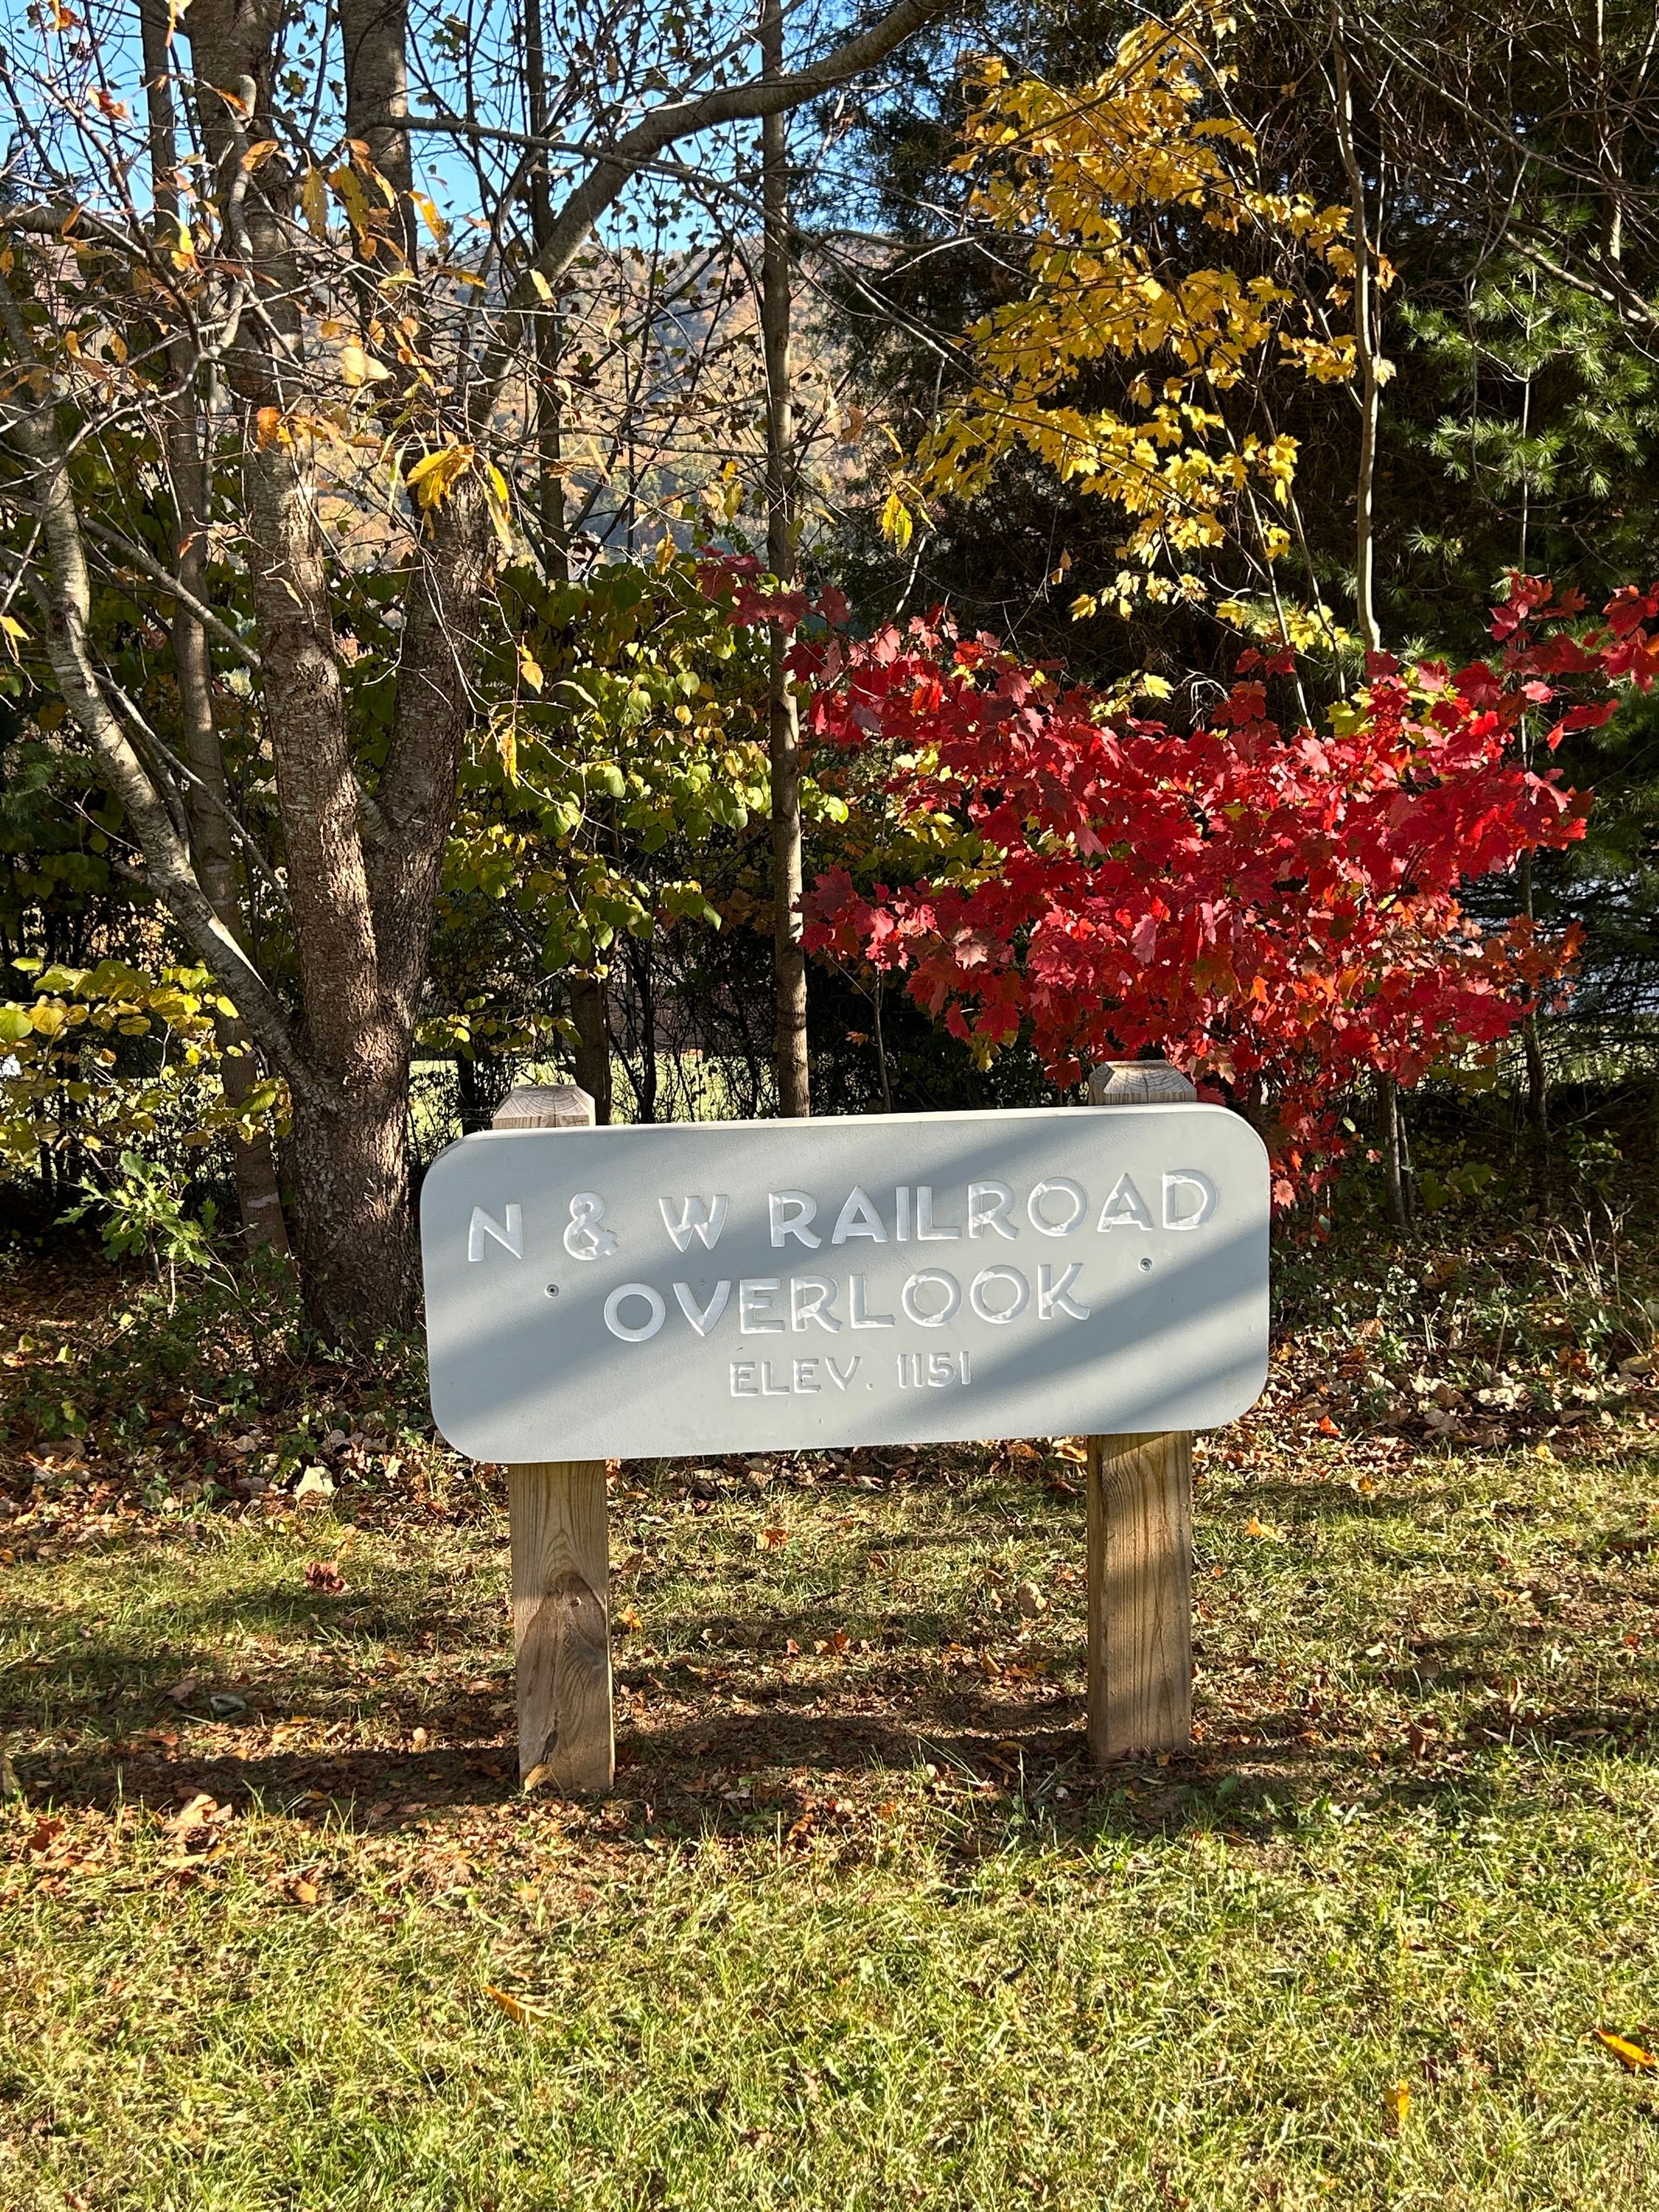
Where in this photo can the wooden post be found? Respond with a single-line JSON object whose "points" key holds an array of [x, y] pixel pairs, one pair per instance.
{"points": [[1140, 1537], [561, 1568]]}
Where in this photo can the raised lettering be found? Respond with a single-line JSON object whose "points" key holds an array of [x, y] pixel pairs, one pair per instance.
{"points": [[810, 1297], [926, 1232], [856, 1314], [755, 1316], [697, 1218], [1178, 1178], [702, 1318], [901, 1214], [858, 1218], [796, 1225], [1077, 1206], [507, 1233], [615, 1324], [1125, 1207], [1055, 1297], [987, 1208], [931, 1276], [979, 1288]]}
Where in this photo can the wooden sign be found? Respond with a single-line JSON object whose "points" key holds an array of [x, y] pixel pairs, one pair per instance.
{"points": [[709, 1288]]}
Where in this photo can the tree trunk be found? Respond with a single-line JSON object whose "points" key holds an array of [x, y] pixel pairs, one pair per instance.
{"points": [[1366, 345], [1538, 1073], [547, 408], [591, 1015], [207, 794], [789, 960], [1390, 1143], [354, 1231]]}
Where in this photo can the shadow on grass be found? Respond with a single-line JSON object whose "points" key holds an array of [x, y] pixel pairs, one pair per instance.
{"points": [[1010, 1762]]}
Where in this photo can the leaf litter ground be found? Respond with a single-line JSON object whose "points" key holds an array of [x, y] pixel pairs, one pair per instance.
{"points": [[860, 1925]]}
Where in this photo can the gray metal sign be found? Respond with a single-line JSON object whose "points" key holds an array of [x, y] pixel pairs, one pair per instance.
{"points": [[725, 1287]]}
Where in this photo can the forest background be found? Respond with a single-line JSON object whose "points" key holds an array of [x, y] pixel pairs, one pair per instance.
{"points": [[838, 558], [397, 443]]}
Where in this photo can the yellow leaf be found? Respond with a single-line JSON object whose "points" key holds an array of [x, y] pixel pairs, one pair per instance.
{"points": [[358, 367], [260, 151], [313, 202], [500, 508], [530, 668], [434, 478], [433, 222], [898, 524], [1254, 1528], [1400, 2102], [1628, 2054], [517, 2008]]}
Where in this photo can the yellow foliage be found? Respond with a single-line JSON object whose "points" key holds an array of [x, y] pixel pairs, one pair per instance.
{"points": [[1085, 176], [435, 478]]}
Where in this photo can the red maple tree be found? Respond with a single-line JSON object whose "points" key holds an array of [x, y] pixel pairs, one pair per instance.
{"points": [[1275, 909]]}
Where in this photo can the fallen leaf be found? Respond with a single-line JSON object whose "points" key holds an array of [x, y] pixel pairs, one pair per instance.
{"points": [[325, 1575], [1400, 2103], [315, 1487], [771, 1539], [419, 1740], [1254, 1528], [1029, 1600], [304, 1892], [1328, 1427], [517, 2008], [195, 1827], [1630, 2055], [628, 1620], [539, 1774]]}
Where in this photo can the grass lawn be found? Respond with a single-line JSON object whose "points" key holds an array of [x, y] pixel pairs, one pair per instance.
{"points": [[861, 1927]]}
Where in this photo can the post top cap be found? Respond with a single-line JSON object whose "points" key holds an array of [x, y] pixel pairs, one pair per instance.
{"points": [[544, 1106], [1139, 1083]]}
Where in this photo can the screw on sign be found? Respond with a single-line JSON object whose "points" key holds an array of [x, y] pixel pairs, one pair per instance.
{"points": [[709, 1287]]}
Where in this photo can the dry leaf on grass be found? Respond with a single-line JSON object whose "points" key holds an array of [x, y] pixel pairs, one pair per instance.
{"points": [[1399, 2103], [325, 1575], [196, 1829], [518, 2008], [771, 1539], [1630, 2055]]}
